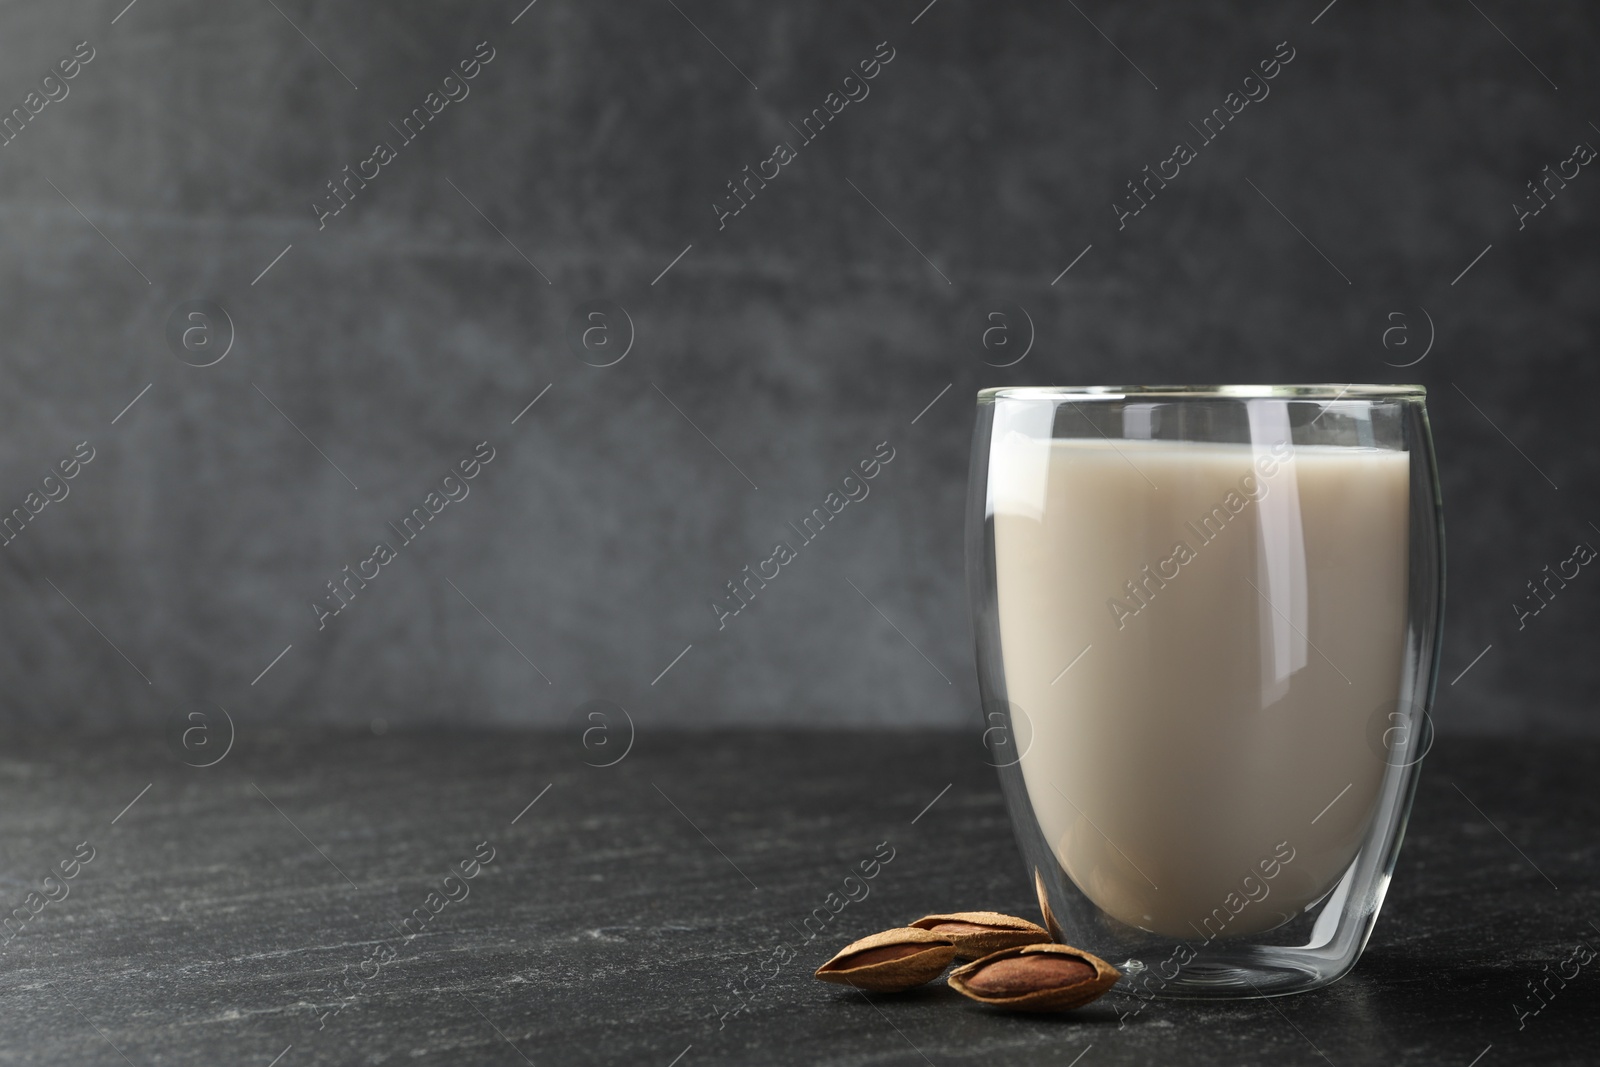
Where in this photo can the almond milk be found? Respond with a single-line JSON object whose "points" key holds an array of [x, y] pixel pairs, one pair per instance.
{"points": [[1197, 637]]}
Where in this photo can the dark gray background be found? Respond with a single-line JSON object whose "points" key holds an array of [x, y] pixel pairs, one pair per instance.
{"points": [[796, 339]]}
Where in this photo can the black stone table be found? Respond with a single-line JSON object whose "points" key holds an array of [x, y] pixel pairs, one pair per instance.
{"points": [[268, 906]]}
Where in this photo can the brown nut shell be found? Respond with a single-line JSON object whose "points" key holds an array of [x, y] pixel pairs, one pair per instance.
{"points": [[978, 933], [890, 961], [1035, 978]]}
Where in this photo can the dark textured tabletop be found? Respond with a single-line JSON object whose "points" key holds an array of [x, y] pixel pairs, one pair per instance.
{"points": [[490, 898]]}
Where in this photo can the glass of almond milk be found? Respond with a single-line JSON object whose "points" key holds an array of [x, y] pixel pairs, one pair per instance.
{"points": [[1208, 624]]}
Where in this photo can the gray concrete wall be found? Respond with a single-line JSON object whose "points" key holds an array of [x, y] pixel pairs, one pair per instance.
{"points": [[795, 335]]}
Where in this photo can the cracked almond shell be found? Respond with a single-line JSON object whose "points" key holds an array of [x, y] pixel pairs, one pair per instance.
{"points": [[1035, 978], [978, 933], [890, 961]]}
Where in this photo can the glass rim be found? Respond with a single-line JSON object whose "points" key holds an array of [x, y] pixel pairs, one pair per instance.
{"points": [[1324, 392]]}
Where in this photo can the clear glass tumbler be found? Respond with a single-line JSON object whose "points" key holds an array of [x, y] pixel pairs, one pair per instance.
{"points": [[1208, 624]]}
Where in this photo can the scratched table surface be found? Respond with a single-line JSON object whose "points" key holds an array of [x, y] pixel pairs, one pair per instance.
{"points": [[342, 899]]}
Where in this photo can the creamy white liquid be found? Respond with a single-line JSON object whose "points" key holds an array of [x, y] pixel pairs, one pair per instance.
{"points": [[1208, 727]]}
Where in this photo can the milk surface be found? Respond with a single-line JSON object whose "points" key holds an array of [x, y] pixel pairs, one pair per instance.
{"points": [[1234, 618]]}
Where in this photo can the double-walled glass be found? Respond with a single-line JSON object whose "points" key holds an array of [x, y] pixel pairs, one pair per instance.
{"points": [[1208, 624]]}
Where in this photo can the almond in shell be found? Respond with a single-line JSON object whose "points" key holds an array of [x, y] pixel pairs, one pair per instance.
{"points": [[1035, 978], [891, 961], [978, 933]]}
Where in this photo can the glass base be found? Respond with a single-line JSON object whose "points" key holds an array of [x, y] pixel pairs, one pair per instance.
{"points": [[1251, 973]]}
